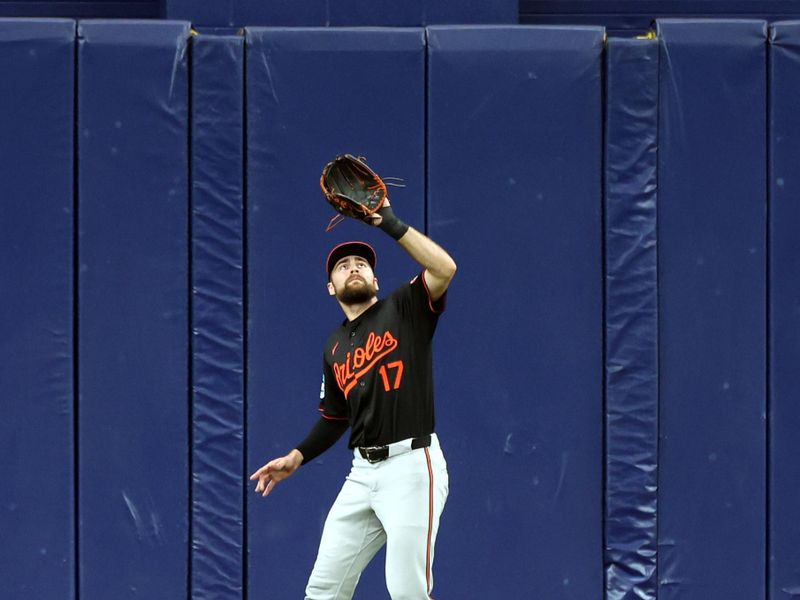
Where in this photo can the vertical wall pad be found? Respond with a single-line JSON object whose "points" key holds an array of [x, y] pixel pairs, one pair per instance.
{"points": [[712, 309], [631, 319], [515, 172], [299, 116], [36, 325], [133, 305], [784, 187], [217, 316]]}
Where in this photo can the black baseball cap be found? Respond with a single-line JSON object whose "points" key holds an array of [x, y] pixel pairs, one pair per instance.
{"points": [[361, 249]]}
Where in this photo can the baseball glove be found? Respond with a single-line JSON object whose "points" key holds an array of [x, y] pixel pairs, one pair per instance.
{"points": [[352, 188]]}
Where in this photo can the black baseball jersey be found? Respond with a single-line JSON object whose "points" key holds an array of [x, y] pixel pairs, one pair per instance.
{"points": [[377, 369]]}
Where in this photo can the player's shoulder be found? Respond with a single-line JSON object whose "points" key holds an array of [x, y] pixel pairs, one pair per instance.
{"points": [[407, 285], [414, 296], [406, 288]]}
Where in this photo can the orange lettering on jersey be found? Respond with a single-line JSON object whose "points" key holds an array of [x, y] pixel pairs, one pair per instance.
{"points": [[360, 361]]}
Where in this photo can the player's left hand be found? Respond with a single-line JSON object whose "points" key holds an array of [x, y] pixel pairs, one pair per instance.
{"points": [[375, 219], [386, 220]]}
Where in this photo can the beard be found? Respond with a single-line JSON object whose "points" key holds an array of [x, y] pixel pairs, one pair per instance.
{"points": [[356, 294]]}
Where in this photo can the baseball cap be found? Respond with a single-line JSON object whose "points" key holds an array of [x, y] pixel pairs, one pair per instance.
{"points": [[353, 248]]}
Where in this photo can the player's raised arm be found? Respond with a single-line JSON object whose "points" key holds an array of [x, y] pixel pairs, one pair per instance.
{"points": [[440, 268], [356, 191]]}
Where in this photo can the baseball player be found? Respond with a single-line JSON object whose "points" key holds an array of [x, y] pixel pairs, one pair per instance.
{"points": [[377, 380]]}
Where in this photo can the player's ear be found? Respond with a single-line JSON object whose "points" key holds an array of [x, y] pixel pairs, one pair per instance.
{"points": [[375, 281], [331, 289]]}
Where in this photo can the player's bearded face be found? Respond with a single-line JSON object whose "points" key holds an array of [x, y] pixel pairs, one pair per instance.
{"points": [[352, 281], [356, 290]]}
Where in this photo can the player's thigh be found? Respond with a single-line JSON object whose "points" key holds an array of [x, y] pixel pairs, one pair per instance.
{"points": [[409, 504], [412, 490], [349, 522], [339, 566], [351, 537]]}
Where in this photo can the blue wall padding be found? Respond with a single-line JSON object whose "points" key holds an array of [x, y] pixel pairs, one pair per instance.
{"points": [[37, 558], [318, 13], [712, 309], [133, 309], [515, 193], [784, 280], [631, 318], [298, 119], [217, 316]]}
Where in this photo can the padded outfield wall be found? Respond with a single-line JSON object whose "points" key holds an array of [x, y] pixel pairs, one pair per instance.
{"points": [[614, 371]]}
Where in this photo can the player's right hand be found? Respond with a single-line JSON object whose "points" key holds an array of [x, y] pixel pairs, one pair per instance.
{"points": [[276, 471]]}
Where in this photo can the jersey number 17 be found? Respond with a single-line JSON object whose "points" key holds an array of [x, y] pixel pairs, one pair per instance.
{"points": [[398, 375]]}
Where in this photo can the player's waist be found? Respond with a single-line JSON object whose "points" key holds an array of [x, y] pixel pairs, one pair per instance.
{"points": [[375, 454]]}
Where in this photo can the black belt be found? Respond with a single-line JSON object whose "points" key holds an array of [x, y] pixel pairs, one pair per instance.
{"points": [[376, 454]]}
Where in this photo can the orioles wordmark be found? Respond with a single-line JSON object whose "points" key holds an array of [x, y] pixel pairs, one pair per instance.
{"points": [[359, 361]]}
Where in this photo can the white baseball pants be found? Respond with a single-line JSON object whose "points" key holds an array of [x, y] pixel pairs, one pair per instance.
{"points": [[396, 502]]}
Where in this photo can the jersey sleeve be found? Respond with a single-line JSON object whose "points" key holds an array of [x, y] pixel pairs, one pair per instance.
{"points": [[332, 404], [322, 436], [414, 302]]}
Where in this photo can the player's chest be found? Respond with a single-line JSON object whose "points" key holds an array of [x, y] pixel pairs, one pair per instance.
{"points": [[362, 351]]}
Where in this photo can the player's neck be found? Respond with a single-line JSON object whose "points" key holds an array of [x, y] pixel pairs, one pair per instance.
{"points": [[353, 311]]}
